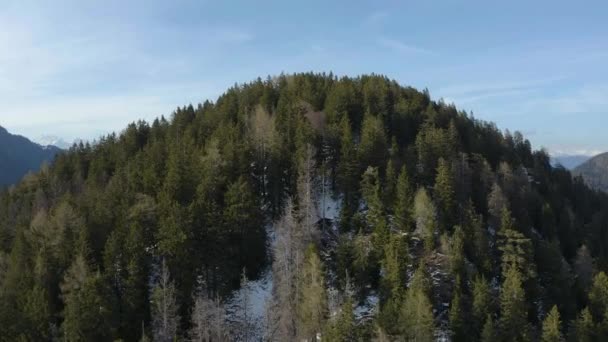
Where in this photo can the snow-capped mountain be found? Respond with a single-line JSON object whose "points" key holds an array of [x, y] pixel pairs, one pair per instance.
{"points": [[52, 140]]}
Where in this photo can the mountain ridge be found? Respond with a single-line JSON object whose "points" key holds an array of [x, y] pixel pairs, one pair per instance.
{"points": [[19, 155], [434, 215], [595, 172]]}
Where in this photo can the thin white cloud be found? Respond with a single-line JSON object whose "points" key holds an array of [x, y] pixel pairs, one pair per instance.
{"points": [[564, 152], [403, 48]]}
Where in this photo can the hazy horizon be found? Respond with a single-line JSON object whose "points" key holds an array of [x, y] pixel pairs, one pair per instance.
{"points": [[78, 71]]}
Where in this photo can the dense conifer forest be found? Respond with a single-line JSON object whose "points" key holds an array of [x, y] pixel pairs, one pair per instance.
{"points": [[368, 210]]}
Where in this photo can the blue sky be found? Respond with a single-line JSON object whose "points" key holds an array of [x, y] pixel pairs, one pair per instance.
{"points": [[77, 69]]}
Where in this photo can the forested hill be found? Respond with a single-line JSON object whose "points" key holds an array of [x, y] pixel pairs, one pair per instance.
{"points": [[19, 156], [371, 212], [595, 172]]}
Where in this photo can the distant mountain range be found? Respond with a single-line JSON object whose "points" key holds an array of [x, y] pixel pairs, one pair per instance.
{"points": [[595, 172], [569, 161], [52, 140], [19, 155]]}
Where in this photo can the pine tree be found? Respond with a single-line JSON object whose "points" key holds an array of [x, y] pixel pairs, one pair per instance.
{"points": [[513, 321], [489, 332], [482, 302], [390, 185], [457, 252], [404, 203], [444, 193], [370, 188], [425, 214], [552, 327], [416, 318], [457, 316], [312, 301], [394, 265], [598, 296], [373, 146], [497, 203], [347, 167], [516, 249], [343, 326], [583, 327], [89, 313]]}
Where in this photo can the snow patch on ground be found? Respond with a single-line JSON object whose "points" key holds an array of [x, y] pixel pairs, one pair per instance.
{"points": [[328, 205], [367, 309]]}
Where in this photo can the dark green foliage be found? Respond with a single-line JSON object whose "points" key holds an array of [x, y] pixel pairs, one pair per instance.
{"points": [[404, 208], [497, 232]]}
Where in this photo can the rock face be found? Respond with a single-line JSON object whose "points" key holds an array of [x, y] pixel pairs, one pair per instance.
{"points": [[595, 172], [18, 156]]}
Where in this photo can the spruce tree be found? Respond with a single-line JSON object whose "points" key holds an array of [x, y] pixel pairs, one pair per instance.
{"points": [[444, 194], [513, 323], [482, 303], [456, 315], [598, 296], [425, 214], [489, 332], [416, 317], [552, 327], [312, 300], [404, 203], [584, 328]]}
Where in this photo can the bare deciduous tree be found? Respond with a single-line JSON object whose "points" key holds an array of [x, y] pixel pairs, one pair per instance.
{"points": [[165, 318], [208, 321]]}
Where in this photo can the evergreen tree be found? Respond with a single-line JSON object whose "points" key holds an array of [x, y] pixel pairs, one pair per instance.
{"points": [[370, 188], [416, 318], [489, 332], [583, 327], [513, 322], [425, 214], [457, 252], [394, 265], [404, 203], [516, 249], [456, 315], [312, 301], [347, 174], [552, 327], [482, 303], [373, 146], [165, 317], [416, 322], [598, 295], [444, 193], [89, 313]]}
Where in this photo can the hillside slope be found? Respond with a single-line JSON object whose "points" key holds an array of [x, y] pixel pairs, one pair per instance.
{"points": [[570, 162], [18, 156], [595, 172], [302, 206]]}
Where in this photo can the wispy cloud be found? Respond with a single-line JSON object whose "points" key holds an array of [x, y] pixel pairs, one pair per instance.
{"points": [[401, 47], [471, 93], [573, 151]]}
